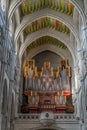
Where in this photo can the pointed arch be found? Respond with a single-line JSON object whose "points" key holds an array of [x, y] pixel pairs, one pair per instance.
{"points": [[16, 3], [46, 13], [63, 38]]}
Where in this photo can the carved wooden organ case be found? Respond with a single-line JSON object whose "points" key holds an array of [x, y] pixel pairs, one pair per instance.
{"points": [[47, 90]]}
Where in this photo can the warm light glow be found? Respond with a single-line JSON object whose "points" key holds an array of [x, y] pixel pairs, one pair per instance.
{"points": [[66, 92]]}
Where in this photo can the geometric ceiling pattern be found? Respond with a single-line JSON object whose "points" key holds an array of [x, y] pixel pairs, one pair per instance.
{"points": [[30, 6], [46, 40], [46, 23]]}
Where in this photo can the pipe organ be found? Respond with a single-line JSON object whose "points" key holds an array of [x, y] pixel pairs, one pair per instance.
{"points": [[47, 90]]}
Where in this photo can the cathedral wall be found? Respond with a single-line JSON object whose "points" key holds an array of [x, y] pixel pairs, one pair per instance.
{"points": [[9, 82], [64, 122], [8, 76]]}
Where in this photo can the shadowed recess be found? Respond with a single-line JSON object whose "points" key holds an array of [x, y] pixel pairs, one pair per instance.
{"points": [[44, 56]]}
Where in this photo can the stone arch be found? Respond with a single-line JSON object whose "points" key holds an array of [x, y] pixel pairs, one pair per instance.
{"points": [[4, 106], [14, 5], [43, 13], [52, 48], [42, 33]]}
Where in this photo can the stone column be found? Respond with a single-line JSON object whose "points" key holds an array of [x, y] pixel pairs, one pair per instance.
{"points": [[82, 78], [17, 85], [2, 66], [85, 5], [84, 39], [75, 17]]}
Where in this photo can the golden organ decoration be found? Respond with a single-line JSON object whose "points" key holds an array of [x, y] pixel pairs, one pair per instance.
{"points": [[47, 90]]}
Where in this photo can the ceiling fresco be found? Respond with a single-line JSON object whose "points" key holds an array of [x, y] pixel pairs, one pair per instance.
{"points": [[46, 40], [30, 6], [46, 23]]}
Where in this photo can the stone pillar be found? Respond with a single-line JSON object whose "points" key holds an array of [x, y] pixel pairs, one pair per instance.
{"points": [[83, 76], [17, 85], [85, 5], [75, 18], [76, 77], [3, 63], [84, 39], [84, 59]]}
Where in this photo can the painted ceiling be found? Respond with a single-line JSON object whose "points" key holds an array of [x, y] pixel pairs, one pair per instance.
{"points": [[46, 40], [46, 23], [30, 6]]}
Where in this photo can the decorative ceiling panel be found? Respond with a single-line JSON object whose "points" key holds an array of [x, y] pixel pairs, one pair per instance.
{"points": [[46, 23], [30, 6], [46, 40]]}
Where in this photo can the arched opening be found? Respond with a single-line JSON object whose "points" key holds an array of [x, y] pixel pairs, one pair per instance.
{"points": [[4, 107]]}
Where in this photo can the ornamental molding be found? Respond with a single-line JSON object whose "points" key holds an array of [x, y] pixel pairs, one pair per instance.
{"points": [[46, 13], [16, 3], [46, 32]]}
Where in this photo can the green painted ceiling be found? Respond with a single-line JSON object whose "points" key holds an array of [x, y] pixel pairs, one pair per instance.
{"points": [[46, 23], [46, 40], [30, 6]]}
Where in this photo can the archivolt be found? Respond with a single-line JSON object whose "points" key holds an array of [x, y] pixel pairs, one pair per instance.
{"points": [[15, 3], [59, 51], [47, 32], [46, 13]]}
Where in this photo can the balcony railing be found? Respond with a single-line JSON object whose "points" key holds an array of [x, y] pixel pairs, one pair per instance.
{"points": [[58, 117]]}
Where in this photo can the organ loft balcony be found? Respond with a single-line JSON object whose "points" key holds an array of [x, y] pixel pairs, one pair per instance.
{"points": [[47, 91]]}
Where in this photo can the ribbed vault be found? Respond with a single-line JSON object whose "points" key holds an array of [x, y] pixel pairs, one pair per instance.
{"points": [[50, 14], [46, 32], [47, 47], [15, 4], [30, 25]]}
